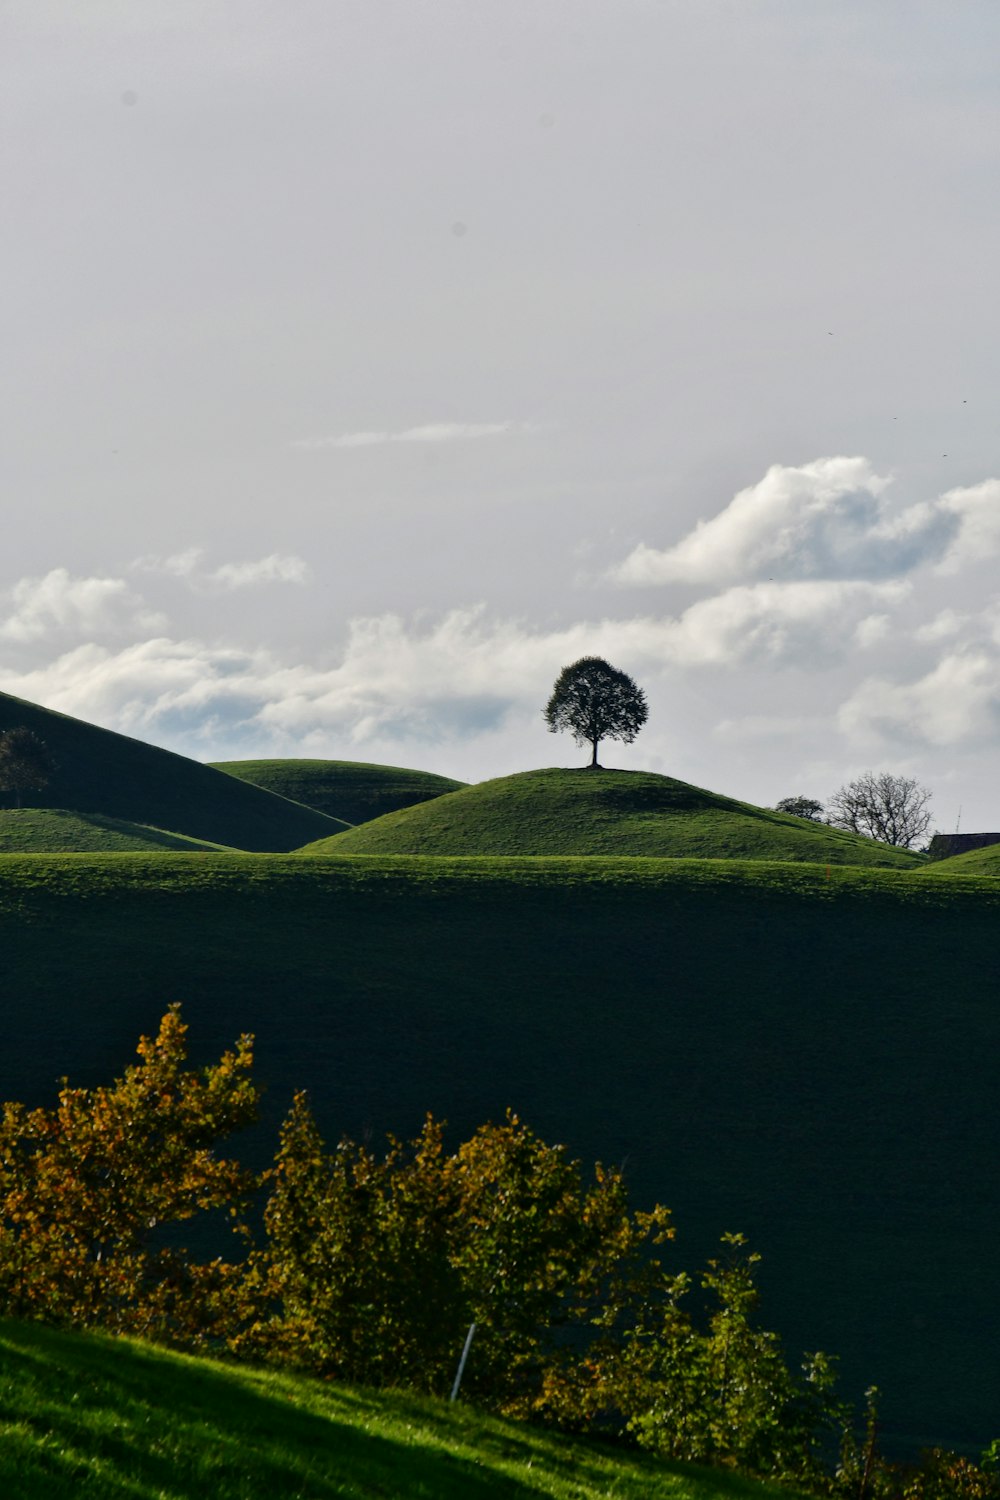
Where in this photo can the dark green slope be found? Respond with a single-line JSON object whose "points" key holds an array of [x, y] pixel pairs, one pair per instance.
{"points": [[53, 830], [809, 1057], [606, 812], [98, 771], [352, 790]]}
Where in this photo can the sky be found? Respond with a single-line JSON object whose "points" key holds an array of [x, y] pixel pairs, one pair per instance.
{"points": [[365, 362]]}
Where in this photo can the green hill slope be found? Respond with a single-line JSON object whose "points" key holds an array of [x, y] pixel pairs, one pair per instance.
{"points": [[810, 1057], [53, 830], [351, 790], [102, 1418], [606, 812], [101, 772], [975, 862]]}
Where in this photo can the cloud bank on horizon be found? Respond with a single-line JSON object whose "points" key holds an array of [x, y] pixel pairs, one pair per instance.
{"points": [[813, 571]]}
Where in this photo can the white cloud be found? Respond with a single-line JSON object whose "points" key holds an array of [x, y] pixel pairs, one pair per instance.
{"points": [[277, 567], [177, 565], [957, 702], [823, 520], [947, 622], [785, 624], [977, 510], [872, 629], [459, 675], [430, 432], [59, 605]]}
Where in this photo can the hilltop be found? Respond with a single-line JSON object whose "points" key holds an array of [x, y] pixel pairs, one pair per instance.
{"points": [[92, 1415], [585, 812], [352, 790], [98, 771]]}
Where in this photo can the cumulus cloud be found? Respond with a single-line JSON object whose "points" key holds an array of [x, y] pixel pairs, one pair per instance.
{"points": [[977, 513], [829, 519], [956, 702], [277, 567], [430, 432], [59, 605], [460, 674]]}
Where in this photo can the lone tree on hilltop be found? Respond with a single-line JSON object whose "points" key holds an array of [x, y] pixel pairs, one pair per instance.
{"points": [[892, 809], [595, 702], [25, 762], [801, 807]]}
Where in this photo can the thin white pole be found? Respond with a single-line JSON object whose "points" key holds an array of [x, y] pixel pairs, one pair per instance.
{"points": [[461, 1364]]}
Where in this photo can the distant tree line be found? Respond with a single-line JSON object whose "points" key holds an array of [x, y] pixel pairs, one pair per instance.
{"points": [[878, 805], [376, 1267]]}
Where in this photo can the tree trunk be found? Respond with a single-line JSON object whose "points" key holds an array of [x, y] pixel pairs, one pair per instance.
{"points": [[593, 759]]}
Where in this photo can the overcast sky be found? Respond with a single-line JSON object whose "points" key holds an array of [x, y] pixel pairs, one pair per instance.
{"points": [[366, 361]]}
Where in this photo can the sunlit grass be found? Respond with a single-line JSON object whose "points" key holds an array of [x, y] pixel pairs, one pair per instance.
{"points": [[96, 1417]]}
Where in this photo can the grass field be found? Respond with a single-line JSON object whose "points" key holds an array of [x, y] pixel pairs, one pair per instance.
{"points": [[54, 830], [809, 1055], [100, 772], [606, 812], [95, 1417], [351, 790]]}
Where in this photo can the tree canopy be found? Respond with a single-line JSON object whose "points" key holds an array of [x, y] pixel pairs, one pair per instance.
{"points": [[595, 701], [801, 807], [25, 762], [892, 809]]}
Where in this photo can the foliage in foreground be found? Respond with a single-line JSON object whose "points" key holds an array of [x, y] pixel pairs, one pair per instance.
{"points": [[372, 1267]]}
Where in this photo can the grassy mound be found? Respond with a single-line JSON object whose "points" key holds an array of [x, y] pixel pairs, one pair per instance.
{"points": [[606, 812], [805, 1055], [975, 862], [351, 790], [54, 830], [101, 772], [98, 1417]]}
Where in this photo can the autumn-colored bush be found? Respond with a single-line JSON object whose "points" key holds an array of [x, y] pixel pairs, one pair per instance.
{"points": [[373, 1268]]}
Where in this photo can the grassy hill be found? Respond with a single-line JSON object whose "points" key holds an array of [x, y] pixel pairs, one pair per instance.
{"points": [[54, 830], [807, 1055], [96, 1417], [606, 812], [101, 772], [351, 790], [975, 862]]}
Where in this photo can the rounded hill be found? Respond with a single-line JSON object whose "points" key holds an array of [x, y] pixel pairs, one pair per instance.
{"points": [[352, 790], [984, 861], [586, 812], [58, 830], [98, 771]]}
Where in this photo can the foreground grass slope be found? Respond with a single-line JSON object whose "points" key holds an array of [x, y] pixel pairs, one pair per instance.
{"points": [[606, 812], [354, 791], [101, 772], [810, 1057], [54, 830], [95, 1417]]}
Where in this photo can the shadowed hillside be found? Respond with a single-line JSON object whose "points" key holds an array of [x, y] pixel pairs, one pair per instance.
{"points": [[98, 771], [351, 790], [805, 1055], [606, 812]]}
